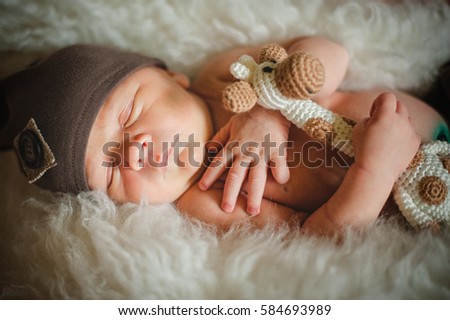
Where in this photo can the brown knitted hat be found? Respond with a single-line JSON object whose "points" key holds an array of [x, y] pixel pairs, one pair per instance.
{"points": [[47, 110]]}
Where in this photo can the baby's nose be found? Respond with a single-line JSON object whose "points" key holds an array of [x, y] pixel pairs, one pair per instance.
{"points": [[136, 152]]}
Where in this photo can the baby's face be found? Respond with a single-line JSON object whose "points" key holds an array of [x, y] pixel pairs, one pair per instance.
{"points": [[148, 139]]}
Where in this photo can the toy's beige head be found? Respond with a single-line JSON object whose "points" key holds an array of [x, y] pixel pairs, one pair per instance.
{"points": [[298, 76]]}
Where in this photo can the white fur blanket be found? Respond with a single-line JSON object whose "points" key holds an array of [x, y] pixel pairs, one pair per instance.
{"points": [[85, 247]]}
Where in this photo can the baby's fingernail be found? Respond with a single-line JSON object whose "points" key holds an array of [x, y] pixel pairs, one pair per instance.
{"points": [[211, 148], [252, 211], [227, 207], [202, 186]]}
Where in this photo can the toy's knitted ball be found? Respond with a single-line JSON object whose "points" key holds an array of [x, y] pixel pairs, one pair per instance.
{"points": [[239, 97], [300, 76], [272, 52]]}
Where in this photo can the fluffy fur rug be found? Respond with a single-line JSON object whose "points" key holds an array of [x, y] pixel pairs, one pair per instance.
{"points": [[85, 247]]}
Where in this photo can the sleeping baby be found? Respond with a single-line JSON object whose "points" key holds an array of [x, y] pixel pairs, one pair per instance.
{"points": [[96, 118]]}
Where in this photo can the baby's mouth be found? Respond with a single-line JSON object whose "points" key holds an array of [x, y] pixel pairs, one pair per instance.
{"points": [[167, 155]]}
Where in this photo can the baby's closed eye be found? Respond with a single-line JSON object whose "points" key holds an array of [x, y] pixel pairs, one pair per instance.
{"points": [[130, 113]]}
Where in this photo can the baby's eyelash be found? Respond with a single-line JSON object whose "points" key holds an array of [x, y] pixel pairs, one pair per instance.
{"points": [[125, 115], [109, 175], [134, 115]]}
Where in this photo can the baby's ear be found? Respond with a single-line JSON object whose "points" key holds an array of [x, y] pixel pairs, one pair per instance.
{"points": [[180, 78]]}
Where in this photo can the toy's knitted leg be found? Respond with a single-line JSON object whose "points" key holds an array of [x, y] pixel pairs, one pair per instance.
{"points": [[317, 121], [321, 124], [422, 191]]}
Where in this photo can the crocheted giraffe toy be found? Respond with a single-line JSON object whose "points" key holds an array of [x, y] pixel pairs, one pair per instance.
{"points": [[286, 83]]}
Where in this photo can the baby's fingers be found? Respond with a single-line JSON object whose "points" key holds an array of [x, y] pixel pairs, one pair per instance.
{"points": [[235, 178], [385, 103], [215, 169], [256, 183], [280, 169], [219, 139], [402, 110]]}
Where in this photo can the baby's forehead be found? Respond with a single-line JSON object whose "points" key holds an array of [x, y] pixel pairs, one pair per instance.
{"points": [[133, 80]]}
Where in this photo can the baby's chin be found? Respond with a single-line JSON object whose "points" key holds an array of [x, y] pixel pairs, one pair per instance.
{"points": [[171, 193]]}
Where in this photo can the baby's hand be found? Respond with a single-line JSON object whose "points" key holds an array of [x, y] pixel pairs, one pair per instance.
{"points": [[385, 142], [246, 145]]}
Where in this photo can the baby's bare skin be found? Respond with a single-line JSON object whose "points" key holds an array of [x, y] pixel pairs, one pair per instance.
{"points": [[320, 178]]}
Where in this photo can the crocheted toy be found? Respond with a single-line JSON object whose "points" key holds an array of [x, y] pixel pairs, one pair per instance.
{"points": [[286, 83]]}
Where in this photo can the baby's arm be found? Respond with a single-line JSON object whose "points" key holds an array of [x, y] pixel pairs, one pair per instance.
{"points": [[334, 59], [215, 74], [205, 206], [332, 56], [384, 145]]}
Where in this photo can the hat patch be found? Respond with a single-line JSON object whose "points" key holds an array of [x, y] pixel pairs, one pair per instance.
{"points": [[34, 153]]}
